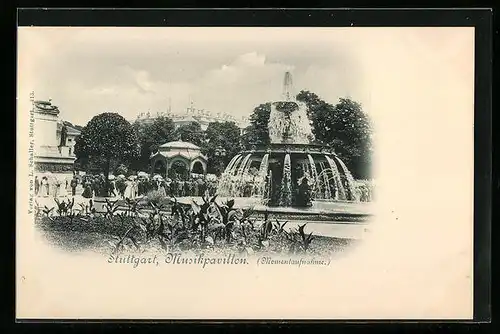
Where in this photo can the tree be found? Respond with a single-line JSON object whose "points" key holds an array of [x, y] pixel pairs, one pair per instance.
{"points": [[107, 137], [191, 132], [343, 126], [257, 133], [151, 136], [223, 142]]}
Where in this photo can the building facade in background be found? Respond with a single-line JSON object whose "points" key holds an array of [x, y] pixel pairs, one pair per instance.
{"points": [[191, 114], [55, 139]]}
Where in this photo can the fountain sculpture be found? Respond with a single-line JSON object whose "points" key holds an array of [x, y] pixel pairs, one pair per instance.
{"points": [[275, 173]]}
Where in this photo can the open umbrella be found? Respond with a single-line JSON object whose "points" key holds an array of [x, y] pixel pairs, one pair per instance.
{"points": [[111, 177], [144, 174], [157, 177], [121, 176]]}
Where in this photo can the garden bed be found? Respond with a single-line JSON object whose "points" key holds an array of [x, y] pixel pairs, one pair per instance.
{"points": [[210, 228]]}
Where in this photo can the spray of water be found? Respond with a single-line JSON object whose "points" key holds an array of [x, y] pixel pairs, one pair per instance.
{"points": [[286, 183], [350, 180], [261, 176], [314, 173], [341, 195], [289, 127]]}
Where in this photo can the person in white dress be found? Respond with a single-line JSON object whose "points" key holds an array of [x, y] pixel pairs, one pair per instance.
{"points": [[44, 187], [135, 188], [128, 189], [63, 189]]}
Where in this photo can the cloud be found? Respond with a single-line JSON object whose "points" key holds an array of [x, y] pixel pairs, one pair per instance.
{"points": [[131, 70], [250, 59]]}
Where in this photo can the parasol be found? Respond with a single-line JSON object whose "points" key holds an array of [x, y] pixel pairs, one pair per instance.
{"points": [[121, 176], [111, 177]]}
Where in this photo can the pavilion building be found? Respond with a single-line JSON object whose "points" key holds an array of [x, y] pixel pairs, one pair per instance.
{"points": [[178, 158]]}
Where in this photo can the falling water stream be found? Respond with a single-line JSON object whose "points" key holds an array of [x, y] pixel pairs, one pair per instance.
{"points": [[327, 194], [313, 174], [336, 177], [241, 168], [350, 179], [286, 183], [261, 176]]}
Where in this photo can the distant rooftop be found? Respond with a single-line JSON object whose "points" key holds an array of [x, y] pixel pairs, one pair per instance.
{"points": [[180, 145]]}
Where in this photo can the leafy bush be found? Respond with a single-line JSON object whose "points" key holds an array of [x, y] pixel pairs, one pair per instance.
{"points": [[211, 225]]}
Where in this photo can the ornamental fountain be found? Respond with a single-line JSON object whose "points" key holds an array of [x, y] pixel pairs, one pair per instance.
{"points": [[270, 177]]}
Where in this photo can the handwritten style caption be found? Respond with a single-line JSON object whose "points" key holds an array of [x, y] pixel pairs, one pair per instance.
{"points": [[201, 260]]}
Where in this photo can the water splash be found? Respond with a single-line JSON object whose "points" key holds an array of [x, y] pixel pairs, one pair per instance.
{"points": [[288, 123], [286, 183], [313, 174], [264, 164], [260, 185], [232, 163], [241, 168], [350, 180], [340, 193], [326, 189], [224, 188]]}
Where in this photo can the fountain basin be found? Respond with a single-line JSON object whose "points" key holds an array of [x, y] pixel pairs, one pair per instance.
{"points": [[325, 212]]}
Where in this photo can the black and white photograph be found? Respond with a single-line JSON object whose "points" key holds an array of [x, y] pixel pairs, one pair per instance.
{"points": [[259, 155], [217, 164]]}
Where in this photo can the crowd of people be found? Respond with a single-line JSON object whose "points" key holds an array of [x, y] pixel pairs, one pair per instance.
{"points": [[134, 186], [141, 184], [52, 186]]}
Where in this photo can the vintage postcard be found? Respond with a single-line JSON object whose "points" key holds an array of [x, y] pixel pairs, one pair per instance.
{"points": [[245, 173]]}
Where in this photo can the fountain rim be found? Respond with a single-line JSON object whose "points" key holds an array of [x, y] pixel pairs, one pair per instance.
{"points": [[291, 148]]}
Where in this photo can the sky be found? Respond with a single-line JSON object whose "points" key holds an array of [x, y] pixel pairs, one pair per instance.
{"points": [[87, 71]]}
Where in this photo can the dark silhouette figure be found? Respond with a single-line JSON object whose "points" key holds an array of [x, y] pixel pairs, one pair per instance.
{"points": [[37, 185], [304, 194], [64, 135], [73, 184]]}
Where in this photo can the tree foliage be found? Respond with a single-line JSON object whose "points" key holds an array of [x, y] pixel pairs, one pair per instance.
{"points": [[221, 137], [191, 132], [107, 137], [345, 127], [257, 133], [151, 136]]}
